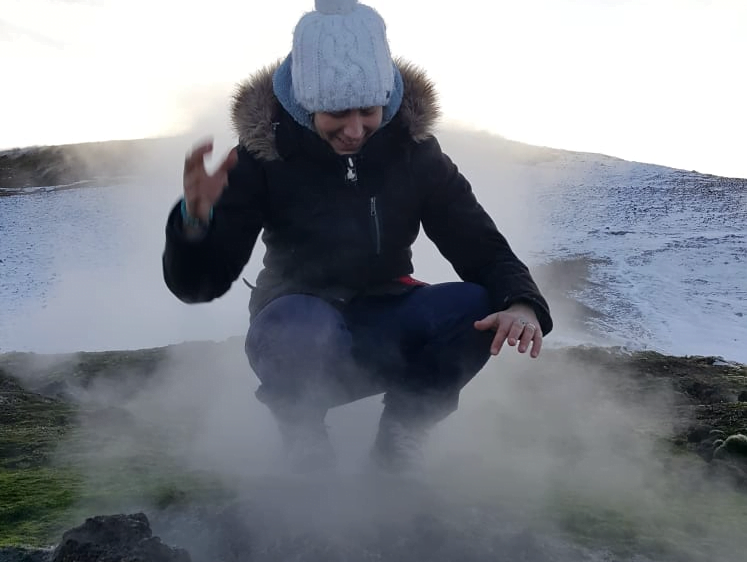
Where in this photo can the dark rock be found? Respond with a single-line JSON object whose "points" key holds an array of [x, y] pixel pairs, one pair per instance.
{"points": [[735, 446], [118, 530], [115, 538], [742, 396], [717, 433]]}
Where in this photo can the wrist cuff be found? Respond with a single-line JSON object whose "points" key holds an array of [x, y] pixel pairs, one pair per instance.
{"points": [[189, 220]]}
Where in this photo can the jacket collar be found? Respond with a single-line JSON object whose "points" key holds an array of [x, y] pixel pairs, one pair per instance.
{"points": [[257, 113]]}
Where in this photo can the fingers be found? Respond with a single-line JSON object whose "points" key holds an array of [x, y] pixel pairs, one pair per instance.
{"points": [[194, 163], [487, 323], [530, 335], [497, 344], [502, 332], [536, 343], [197, 157], [525, 337], [514, 330], [493, 322]]}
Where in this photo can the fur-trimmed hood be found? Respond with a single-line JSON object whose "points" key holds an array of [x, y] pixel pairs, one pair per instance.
{"points": [[255, 108]]}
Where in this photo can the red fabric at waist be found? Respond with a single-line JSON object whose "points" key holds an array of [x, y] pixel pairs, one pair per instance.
{"points": [[410, 280]]}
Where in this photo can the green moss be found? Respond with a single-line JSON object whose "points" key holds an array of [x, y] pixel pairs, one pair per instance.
{"points": [[667, 521], [35, 504], [38, 504]]}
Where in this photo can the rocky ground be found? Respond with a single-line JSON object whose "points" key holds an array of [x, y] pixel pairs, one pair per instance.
{"points": [[50, 429]]}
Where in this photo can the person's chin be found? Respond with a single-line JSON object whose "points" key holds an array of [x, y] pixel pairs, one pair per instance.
{"points": [[344, 148]]}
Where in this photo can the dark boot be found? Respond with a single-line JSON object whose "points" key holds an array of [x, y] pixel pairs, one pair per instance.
{"points": [[398, 448], [306, 442]]}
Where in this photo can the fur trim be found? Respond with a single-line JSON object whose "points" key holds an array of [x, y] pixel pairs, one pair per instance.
{"points": [[419, 110], [255, 107], [253, 111]]}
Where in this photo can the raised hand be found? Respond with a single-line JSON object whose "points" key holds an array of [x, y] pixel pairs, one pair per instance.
{"points": [[202, 190]]}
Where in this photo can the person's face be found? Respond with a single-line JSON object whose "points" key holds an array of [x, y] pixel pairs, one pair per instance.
{"points": [[347, 131]]}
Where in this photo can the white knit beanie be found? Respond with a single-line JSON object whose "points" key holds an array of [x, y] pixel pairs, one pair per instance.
{"points": [[341, 58]]}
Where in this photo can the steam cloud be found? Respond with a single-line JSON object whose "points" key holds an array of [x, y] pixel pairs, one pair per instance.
{"points": [[531, 439]]}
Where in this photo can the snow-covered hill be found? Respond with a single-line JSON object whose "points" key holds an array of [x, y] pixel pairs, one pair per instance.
{"points": [[632, 254]]}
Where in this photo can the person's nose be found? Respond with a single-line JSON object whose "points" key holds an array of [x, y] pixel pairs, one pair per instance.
{"points": [[354, 126]]}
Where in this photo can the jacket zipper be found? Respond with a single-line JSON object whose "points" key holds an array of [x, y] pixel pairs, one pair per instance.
{"points": [[376, 226], [351, 176]]}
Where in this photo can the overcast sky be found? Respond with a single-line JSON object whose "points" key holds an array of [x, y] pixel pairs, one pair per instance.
{"points": [[659, 81]]}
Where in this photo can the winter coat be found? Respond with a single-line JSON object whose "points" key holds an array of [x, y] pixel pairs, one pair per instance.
{"points": [[339, 226]]}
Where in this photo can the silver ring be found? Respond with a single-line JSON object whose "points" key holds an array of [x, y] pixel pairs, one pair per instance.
{"points": [[532, 326]]}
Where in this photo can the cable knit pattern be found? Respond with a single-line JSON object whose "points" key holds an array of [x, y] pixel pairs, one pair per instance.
{"points": [[341, 58], [283, 88]]}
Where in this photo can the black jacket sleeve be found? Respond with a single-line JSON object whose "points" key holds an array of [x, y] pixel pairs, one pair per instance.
{"points": [[468, 238], [204, 269]]}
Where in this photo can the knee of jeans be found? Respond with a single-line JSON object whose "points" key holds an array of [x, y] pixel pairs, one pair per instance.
{"points": [[475, 300], [293, 323]]}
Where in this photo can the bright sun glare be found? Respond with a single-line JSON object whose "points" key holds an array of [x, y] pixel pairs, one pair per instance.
{"points": [[650, 81]]}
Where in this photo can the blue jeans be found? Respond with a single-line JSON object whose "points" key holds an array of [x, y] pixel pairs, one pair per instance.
{"points": [[420, 349]]}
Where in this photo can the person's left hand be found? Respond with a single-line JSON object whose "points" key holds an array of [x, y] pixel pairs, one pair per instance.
{"points": [[517, 325]]}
